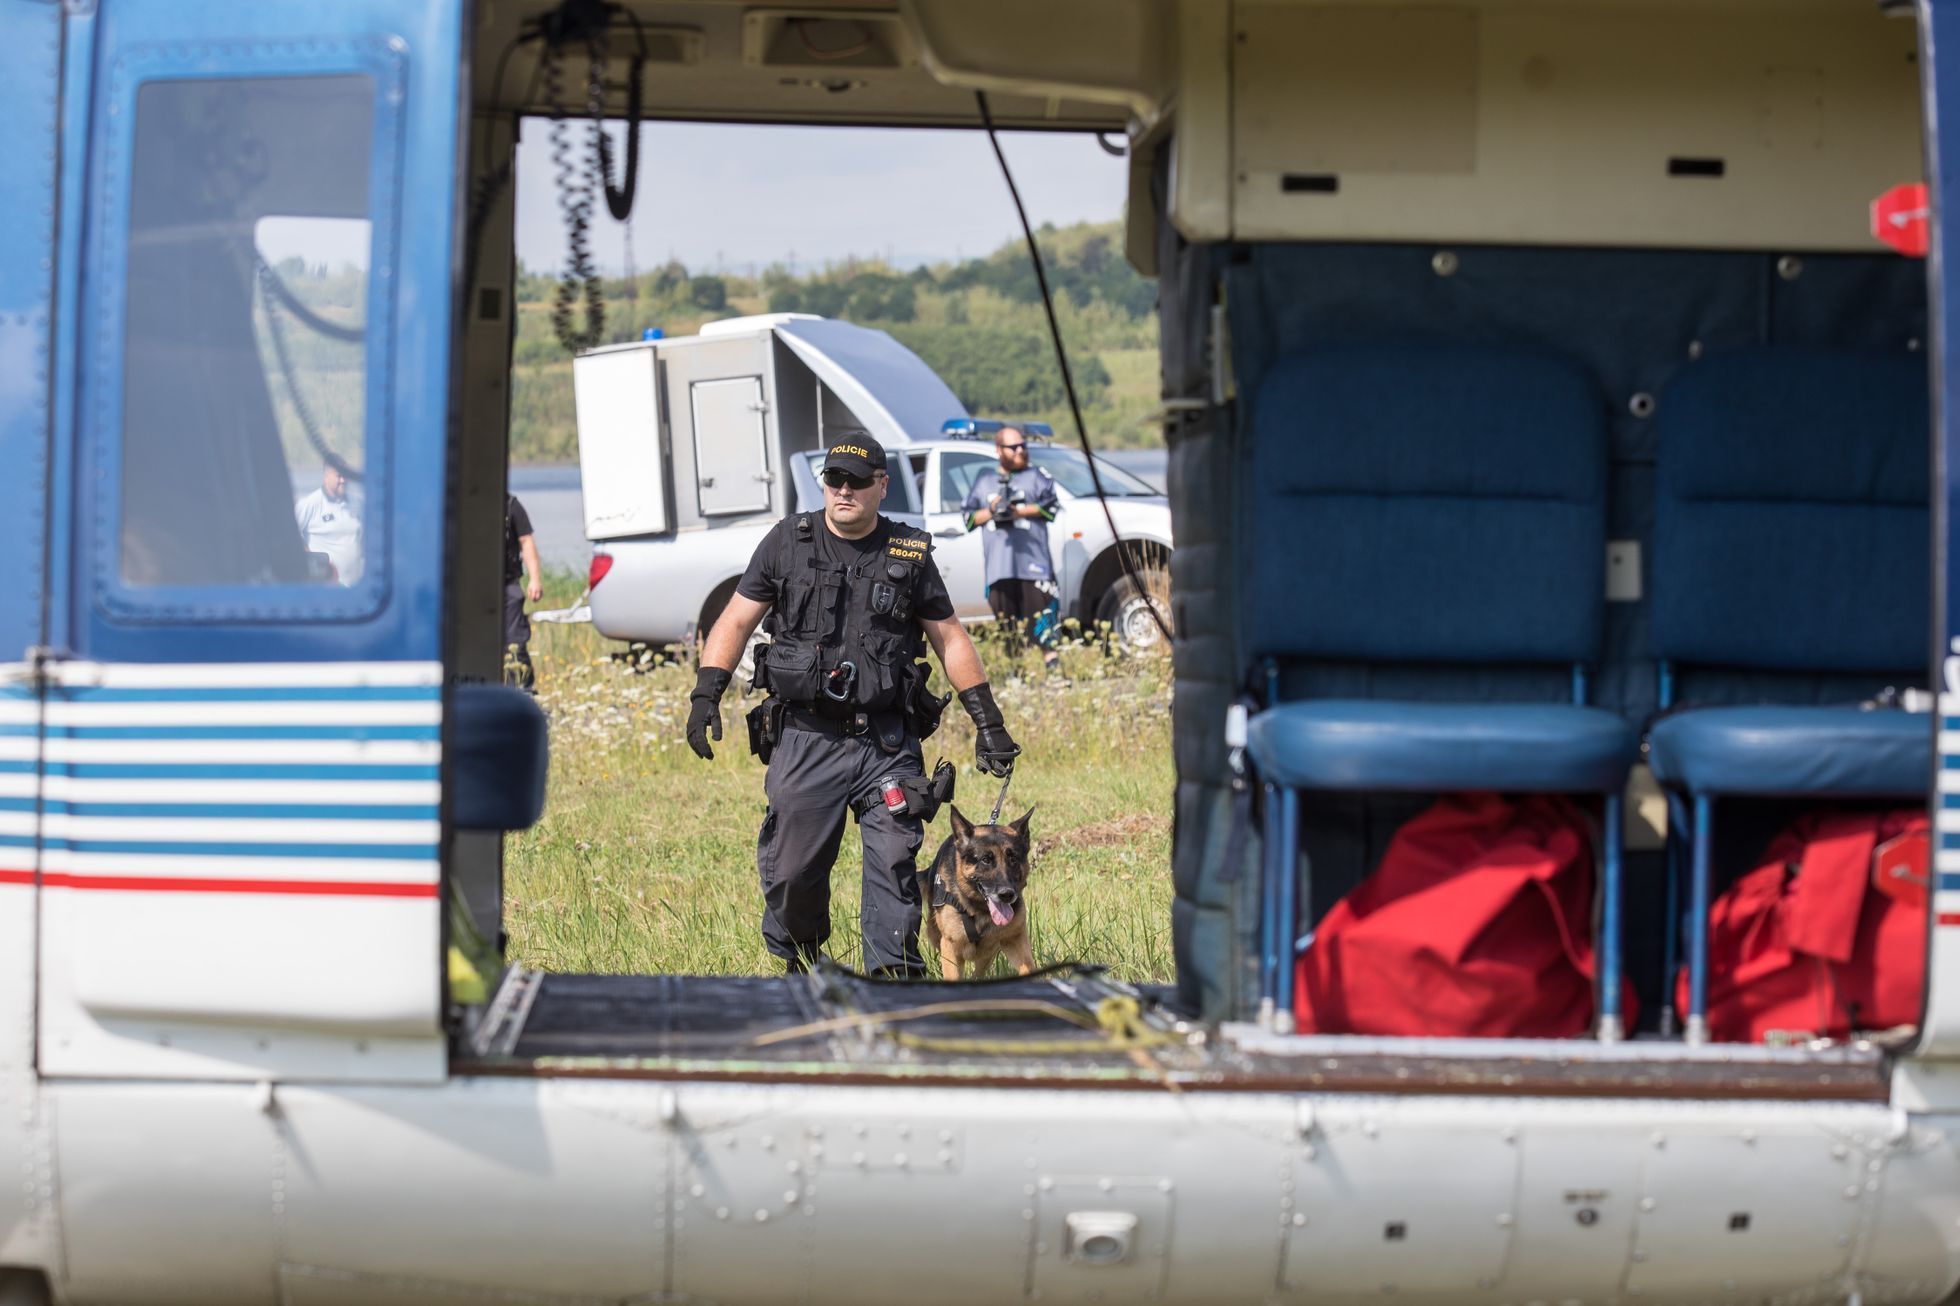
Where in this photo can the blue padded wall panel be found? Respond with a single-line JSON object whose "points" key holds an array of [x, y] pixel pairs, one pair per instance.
{"points": [[1428, 504], [1634, 319], [1792, 528]]}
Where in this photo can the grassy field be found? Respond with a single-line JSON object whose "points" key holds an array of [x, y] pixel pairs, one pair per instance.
{"points": [[645, 860]]}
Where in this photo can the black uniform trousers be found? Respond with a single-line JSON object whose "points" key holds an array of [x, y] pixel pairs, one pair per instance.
{"points": [[814, 778], [517, 638]]}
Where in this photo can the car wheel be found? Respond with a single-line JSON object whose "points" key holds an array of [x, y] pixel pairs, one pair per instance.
{"points": [[745, 665], [1127, 607]]}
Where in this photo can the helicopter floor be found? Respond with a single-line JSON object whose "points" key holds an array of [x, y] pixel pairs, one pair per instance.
{"points": [[1076, 1029]]}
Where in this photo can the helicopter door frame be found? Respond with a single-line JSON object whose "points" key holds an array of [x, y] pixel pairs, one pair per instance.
{"points": [[243, 814]]}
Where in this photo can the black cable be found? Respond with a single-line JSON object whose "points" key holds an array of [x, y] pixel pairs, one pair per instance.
{"points": [[575, 203], [277, 331], [276, 286], [483, 201], [619, 200], [1068, 377], [489, 186]]}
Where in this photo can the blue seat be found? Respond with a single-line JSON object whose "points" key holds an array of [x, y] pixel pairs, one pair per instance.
{"points": [[1791, 534], [1826, 752], [1388, 747], [1428, 505]]}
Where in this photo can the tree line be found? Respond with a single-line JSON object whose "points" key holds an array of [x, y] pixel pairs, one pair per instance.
{"points": [[977, 322]]}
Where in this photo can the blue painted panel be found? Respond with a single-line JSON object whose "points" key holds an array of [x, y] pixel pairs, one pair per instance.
{"points": [[30, 102], [412, 54], [1940, 77]]}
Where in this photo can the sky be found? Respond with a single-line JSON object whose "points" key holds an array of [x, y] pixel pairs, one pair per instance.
{"points": [[726, 197]]}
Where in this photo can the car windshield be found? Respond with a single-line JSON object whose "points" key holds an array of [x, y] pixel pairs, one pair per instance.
{"points": [[809, 494], [1071, 471]]}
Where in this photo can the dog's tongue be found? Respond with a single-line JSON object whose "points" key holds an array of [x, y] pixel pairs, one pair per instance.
{"points": [[1001, 914]]}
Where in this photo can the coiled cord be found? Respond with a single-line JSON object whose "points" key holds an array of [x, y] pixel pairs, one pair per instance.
{"points": [[576, 183]]}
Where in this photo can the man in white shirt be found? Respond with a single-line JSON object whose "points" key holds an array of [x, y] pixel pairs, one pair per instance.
{"points": [[328, 525]]}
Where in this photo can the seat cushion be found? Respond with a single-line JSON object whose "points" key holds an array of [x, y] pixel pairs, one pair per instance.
{"points": [[1356, 744], [1827, 751]]}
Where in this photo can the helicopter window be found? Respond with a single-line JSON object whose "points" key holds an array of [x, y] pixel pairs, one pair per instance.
{"points": [[245, 371]]}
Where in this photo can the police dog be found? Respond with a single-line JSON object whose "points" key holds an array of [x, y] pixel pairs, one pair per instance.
{"points": [[974, 897]]}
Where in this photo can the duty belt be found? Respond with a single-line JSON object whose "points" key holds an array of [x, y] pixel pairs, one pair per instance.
{"points": [[805, 718]]}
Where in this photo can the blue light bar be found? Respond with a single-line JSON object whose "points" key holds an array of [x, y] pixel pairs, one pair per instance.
{"points": [[985, 428]]}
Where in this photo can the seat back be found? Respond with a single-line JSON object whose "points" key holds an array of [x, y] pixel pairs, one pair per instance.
{"points": [[1791, 514], [1427, 504]]}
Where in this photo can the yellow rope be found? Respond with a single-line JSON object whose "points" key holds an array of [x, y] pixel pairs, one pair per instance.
{"points": [[860, 1020], [1120, 1019]]}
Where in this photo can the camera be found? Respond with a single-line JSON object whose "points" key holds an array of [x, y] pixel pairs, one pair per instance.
{"points": [[1011, 497]]}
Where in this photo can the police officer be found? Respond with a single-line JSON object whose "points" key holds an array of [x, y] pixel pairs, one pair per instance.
{"points": [[848, 594], [1017, 505]]}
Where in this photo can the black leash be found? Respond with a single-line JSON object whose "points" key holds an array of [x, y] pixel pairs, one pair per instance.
{"points": [[1001, 801]]}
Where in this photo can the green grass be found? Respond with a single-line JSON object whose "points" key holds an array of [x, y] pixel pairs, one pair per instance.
{"points": [[645, 860]]}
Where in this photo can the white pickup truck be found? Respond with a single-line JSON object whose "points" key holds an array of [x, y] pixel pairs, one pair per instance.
{"points": [[690, 449]]}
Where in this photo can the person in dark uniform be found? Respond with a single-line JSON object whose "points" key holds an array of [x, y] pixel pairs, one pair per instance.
{"points": [[1017, 505], [521, 572], [851, 598]]}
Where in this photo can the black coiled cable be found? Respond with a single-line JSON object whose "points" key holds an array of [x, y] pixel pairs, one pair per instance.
{"points": [[576, 183], [619, 200]]}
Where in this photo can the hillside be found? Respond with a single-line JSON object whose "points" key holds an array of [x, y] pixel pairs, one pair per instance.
{"points": [[978, 323]]}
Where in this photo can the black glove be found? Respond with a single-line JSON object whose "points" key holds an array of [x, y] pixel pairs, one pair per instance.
{"points": [[704, 711], [994, 749]]}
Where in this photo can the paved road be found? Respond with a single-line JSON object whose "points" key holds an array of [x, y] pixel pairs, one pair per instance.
{"points": [[551, 495]]}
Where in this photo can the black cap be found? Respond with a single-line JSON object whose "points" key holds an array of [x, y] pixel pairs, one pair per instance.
{"points": [[858, 454]]}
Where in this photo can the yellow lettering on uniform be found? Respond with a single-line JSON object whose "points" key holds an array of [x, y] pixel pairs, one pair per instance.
{"points": [[850, 448], [916, 555]]}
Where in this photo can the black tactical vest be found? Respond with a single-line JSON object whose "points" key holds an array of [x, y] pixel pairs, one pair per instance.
{"points": [[835, 614]]}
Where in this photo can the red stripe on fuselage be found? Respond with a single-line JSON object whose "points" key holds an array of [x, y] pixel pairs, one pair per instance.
{"points": [[183, 884]]}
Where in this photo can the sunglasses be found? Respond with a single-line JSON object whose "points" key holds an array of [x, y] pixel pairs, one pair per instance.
{"points": [[837, 478], [1010, 448]]}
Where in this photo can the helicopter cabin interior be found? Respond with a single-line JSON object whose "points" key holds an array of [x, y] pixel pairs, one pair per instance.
{"points": [[1543, 418]]}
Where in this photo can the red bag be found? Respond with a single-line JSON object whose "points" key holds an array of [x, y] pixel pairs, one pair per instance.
{"points": [[1478, 923], [1826, 936]]}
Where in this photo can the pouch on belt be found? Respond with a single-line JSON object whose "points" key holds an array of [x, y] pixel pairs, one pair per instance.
{"points": [[925, 796], [765, 721]]}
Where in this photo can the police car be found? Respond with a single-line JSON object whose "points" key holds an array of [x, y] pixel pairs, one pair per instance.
{"points": [[667, 590]]}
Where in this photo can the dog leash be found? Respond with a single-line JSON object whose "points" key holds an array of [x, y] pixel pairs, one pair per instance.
{"points": [[1001, 801]]}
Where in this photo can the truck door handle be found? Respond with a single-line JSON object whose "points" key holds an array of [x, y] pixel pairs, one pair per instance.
{"points": [[707, 482], [950, 533]]}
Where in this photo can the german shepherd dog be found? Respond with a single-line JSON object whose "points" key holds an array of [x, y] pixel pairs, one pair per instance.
{"points": [[975, 905]]}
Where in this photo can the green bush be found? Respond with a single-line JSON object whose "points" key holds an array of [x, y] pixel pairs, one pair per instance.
{"points": [[995, 370], [709, 293]]}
